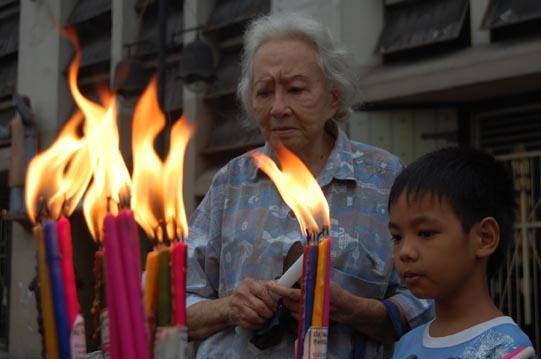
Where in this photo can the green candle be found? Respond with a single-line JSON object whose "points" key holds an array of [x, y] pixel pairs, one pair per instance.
{"points": [[164, 288]]}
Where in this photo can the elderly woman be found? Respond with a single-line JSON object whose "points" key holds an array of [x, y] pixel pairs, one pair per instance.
{"points": [[296, 83]]}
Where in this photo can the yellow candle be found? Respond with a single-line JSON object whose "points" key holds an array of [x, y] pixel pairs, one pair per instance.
{"points": [[47, 311], [319, 291], [150, 284]]}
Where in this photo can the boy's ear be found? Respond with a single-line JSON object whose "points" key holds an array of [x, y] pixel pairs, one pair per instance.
{"points": [[487, 237]]}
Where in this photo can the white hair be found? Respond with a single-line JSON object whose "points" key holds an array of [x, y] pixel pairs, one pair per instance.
{"points": [[336, 63]]}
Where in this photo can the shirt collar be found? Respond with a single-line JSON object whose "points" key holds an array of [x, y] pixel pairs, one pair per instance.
{"points": [[339, 164]]}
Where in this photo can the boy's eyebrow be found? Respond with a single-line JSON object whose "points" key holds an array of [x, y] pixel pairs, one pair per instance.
{"points": [[416, 221]]}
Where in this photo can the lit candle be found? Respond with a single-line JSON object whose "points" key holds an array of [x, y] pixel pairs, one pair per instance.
{"points": [[319, 291], [327, 297], [121, 335], [64, 242], [131, 263], [300, 333], [178, 271], [150, 287], [57, 285], [47, 311], [164, 287], [310, 281]]}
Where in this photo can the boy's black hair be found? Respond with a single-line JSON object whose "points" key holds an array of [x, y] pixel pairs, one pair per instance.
{"points": [[475, 184]]}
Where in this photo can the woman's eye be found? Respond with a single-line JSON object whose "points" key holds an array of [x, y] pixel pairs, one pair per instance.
{"points": [[296, 89], [262, 93]]}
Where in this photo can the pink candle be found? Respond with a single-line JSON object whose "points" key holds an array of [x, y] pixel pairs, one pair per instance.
{"points": [[131, 262], [64, 243], [120, 328], [178, 271]]}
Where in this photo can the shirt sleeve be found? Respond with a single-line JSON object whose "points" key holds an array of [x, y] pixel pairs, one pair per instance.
{"points": [[204, 244]]}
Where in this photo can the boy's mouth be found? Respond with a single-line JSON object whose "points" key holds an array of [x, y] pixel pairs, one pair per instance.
{"points": [[411, 277]]}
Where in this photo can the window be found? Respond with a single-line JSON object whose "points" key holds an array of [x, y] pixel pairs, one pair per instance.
{"points": [[415, 29]]}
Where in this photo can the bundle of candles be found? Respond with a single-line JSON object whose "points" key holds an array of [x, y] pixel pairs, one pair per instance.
{"points": [[302, 194], [315, 297], [160, 211], [86, 161], [63, 325]]}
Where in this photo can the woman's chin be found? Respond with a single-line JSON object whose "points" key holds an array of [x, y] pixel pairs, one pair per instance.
{"points": [[292, 143]]}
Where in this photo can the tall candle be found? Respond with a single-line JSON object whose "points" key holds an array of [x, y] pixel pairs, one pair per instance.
{"points": [[327, 298], [300, 333], [64, 242], [164, 287], [121, 336], [310, 279], [47, 311], [131, 263], [57, 285], [151, 281], [178, 272], [319, 291]]}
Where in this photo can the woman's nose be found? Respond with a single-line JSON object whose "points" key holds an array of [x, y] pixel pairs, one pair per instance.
{"points": [[280, 107]]}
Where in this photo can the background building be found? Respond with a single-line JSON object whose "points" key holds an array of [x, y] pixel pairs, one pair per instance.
{"points": [[434, 73]]}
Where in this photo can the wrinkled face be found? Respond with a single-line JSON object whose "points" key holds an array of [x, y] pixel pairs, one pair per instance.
{"points": [[432, 254], [291, 98]]}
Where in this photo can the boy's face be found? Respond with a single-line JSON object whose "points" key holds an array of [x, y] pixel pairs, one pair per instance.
{"points": [[432, 254]]}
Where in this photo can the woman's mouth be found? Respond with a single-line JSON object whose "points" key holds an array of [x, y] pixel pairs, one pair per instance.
{"points": [[283, 131]]}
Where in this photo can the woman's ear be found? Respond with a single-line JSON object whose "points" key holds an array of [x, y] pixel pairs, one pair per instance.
{"points": [[487, 237], [335, 98]]}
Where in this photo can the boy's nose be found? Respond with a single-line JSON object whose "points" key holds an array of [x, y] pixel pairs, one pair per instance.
{"points": [[407, 251]]}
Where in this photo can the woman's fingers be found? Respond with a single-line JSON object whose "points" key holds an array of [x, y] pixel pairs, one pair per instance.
{"points": [[290, 297], [251, 304]]}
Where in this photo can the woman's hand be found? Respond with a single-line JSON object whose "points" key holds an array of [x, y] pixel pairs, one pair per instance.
{"points": [[290, 296], [340, 309], [250, 305]]}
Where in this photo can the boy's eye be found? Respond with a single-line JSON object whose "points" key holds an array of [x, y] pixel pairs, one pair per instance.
{"points": [[395, 238], [426, 234]]}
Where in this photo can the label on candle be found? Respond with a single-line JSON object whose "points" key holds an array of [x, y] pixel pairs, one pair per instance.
{"points": [[170, 343], [315, 343], [77, 338], [104, 333]]}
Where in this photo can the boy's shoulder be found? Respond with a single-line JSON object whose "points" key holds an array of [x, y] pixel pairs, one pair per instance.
{"points": [[496, 338]]}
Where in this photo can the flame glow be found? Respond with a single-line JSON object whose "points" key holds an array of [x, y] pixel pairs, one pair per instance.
{"points": [[157, 185], [298, 188], [75, 162]]}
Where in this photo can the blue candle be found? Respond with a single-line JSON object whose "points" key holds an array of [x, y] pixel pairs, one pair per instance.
{"points": [[310, 282], [57, 284]]}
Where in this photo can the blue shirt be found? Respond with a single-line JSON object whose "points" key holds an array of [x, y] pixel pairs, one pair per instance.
{"points": [[243, 228], [493, 339]]}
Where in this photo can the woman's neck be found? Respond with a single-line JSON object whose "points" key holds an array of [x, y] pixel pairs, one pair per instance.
{"points": [[315, 156]]}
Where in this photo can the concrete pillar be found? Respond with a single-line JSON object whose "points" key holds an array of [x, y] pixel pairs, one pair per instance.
{"points": [[43, 55], [195, 13]]}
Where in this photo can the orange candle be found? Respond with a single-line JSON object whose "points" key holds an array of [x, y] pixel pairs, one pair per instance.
{"points": [[317, 314], [150, 284]]}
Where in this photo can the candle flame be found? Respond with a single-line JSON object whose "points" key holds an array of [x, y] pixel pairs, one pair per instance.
{"points": [[298, 188], [157, 185], [50, 176]]}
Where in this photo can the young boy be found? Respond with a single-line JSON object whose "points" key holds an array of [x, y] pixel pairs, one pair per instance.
{"points": [[451, 218]]}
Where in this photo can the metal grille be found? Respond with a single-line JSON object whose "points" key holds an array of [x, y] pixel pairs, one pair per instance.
{"points": [[517, 287], [510, 130]]}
